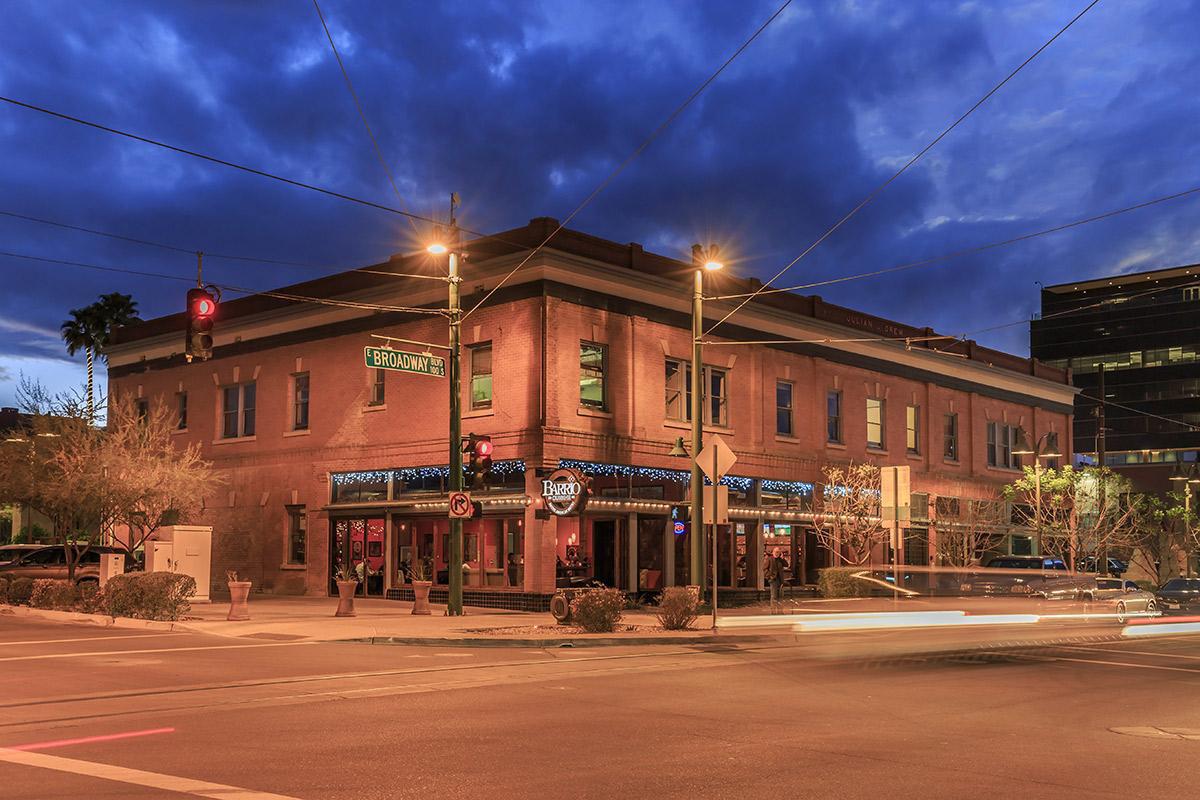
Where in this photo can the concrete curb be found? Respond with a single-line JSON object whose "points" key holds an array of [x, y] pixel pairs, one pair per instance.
{"points": [[101, 620], [558, 641]]}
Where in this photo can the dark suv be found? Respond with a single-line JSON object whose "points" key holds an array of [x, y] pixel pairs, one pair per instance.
{"points": [[1013, 575], [1179, 596], [50, 561]]}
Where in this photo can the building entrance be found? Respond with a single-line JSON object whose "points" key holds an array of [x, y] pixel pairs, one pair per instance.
{"points": [[358, 542]]}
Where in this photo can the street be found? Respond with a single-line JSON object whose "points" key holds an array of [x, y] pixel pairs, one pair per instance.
{"points": [[114, 713]]}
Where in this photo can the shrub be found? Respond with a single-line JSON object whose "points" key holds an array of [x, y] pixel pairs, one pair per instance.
{"points": [[19, 590], [678, 608], [840, 582], [55, 595], [91, 599], [148, 595], [3, 588], [598, 610]]}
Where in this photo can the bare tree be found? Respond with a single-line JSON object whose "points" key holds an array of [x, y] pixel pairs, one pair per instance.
{"points": [[978, 527], [849, 524], [1075, 513]]}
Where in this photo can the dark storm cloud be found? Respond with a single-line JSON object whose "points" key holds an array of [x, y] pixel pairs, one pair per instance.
{"points": [[524, 107]]}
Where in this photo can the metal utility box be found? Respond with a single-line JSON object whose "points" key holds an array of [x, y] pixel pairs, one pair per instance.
{"points": [[186, 549], [111, 564]]}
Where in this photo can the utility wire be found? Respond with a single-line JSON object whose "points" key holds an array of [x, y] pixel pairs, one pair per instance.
{"points": [[640, 148], [870, 197], [238, 289], [1187, 425], [363, 116], [964, 252], [207, 254], [230, 164]]}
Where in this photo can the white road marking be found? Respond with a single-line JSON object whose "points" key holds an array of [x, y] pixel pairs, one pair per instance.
{"points": [[1131, 652], [137, 777], [159, 650], [91, 638], [1106, 663]]}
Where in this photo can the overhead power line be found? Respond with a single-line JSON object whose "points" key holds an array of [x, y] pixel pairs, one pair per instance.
{"points": [[964, 252], [1187, 425], [207, 254], [223, 162], [633, 156], [363, 116], [298, 298], [875, 192]]}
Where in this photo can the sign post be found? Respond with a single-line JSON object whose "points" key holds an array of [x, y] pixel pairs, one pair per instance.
{"points": [[715, 460], [895, 499]]}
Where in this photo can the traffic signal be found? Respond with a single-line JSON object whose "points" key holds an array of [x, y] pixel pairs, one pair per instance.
{"points": [[201, 309], [478, 450]]}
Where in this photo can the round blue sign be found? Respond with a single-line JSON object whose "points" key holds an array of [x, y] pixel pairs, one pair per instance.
{"points": [[680, 528]]}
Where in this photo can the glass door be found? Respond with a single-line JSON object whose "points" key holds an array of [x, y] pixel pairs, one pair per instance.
{"points": [[359, 543]]}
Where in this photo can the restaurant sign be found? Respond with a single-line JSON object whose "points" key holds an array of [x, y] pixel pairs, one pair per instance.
{"points": [[565, 491]]}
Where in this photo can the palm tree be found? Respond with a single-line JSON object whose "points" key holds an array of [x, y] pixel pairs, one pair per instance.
{"points": [[90, 328]]}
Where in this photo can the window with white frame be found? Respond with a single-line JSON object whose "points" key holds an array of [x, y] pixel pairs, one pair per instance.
{"points": [[378, 388], [783, 407], [912, 429], [297, 536], [875, 422], [1000, 441], [950, 437], [181, 421], [300, 402], [481, 376], [237, 410]]}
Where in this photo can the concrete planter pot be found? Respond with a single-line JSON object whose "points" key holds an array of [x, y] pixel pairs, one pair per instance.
{"points": [[346, 590], [239, 597], [421, 597]]}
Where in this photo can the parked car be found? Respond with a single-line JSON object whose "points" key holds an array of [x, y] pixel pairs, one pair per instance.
{"points": [[1116, 567], [1179, 596], [49, 561], [11, 552], [1126, 598], [1013, 575]]}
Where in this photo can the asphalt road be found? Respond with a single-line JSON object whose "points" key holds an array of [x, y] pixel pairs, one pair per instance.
{"points": [[94, 713]]}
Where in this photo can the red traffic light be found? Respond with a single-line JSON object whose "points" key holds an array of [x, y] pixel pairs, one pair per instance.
{"points": [[483, 448], [205, 306]]}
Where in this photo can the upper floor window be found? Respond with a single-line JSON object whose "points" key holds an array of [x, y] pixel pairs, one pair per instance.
{"points": [[717, 406], [481, 376], [679, 390], [1000, 439], [181, 411], [142, 406], [297, 535], [950, 437], [714, 393], [875, 422], [237, 410], [833, 416], [300, 402], [378, 388], [912, 429], [1191, 293], [593, 363], [783, 407]]}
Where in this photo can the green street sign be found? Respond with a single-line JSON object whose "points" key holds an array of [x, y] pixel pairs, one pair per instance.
{"points": [[403, 361]]}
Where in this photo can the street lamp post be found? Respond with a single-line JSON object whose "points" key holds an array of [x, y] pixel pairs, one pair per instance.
{"points": [[448, 243], [704, 260], [1189, 478], [1045, 447]]}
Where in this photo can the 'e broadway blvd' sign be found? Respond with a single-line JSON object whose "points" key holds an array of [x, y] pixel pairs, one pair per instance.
{"points": [[403, 361]]}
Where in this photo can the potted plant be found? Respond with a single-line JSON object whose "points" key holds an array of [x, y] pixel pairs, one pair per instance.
{"points": [[239, 595], [347, 585], [421, 585]]}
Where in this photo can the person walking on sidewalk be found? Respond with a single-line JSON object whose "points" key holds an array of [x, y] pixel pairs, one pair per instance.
{"points": [[776, 567]]}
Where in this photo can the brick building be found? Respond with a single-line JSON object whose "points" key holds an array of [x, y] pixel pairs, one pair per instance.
{"points": [[580, 360]]}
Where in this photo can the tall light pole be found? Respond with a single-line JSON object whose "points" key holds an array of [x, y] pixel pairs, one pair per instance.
{"points": [[1045, 447], [1188, 479], [449, 243], [704, 260]]}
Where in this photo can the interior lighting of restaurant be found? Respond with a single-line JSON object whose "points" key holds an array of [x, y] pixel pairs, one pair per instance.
{"points": [[488, 501], [507, 467]]}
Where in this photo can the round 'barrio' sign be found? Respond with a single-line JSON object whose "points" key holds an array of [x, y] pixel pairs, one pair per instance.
{"points": [[565, 491]]}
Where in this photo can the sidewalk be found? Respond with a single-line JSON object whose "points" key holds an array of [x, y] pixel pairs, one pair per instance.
{"points": [[392, 621]]}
